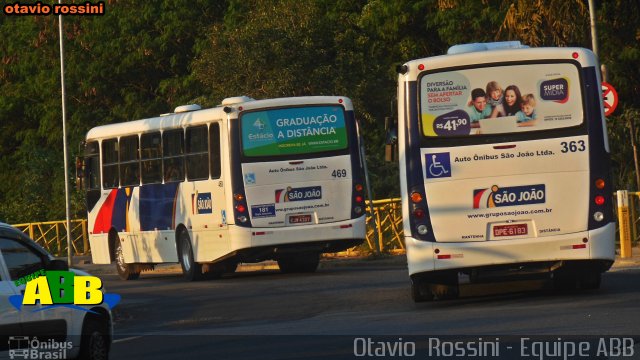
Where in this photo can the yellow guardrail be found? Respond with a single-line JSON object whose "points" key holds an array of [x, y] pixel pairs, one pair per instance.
{"points": [[384, 226], [384, 229], [52, 235]]}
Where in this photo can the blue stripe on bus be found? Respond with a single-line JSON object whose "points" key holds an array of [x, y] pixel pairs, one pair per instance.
{"points": [[156, 206], [119, 214]]}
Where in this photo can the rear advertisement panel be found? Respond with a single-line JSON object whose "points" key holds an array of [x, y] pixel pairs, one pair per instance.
{"points": [[500, 99], [300, 130]]}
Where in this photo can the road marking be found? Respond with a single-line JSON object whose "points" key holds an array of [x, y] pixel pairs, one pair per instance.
{"points": [[126, 339]]}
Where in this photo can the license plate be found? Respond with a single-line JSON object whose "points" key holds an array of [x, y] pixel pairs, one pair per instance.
{"points": [[299, 219], [510, 230]]}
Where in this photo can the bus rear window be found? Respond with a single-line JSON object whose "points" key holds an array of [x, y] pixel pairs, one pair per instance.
{"points": [[500, 99], [288, 131]]}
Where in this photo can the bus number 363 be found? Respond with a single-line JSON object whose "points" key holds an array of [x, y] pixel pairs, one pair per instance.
{"points": [[573, 146]]}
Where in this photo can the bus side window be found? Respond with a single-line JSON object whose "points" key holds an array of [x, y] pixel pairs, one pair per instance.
{"points": [[92, 166], [129, 161], [110, 163], [214, 145], [151, 155], [197, 153], [173, 155]]}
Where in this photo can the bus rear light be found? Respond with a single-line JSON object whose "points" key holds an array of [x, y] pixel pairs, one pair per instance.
{"points": [[600, 184], [416, 197], [241, 208], [419, 213], [357, 210], [574, 55], [579, 246], [340, 101], [450, 256], [346, 226], [599, 200], [359, 187], [422, 229], [242, 219], [238, 197], [421, 67], [359, 199], [598, 216]]}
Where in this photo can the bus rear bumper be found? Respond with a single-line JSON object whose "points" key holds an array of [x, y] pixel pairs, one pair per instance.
{"points": [[330, 237], [424, 257]]}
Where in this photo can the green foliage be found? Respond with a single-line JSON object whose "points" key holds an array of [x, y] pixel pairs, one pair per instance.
{"points": [[132, 62], [144, 58]]}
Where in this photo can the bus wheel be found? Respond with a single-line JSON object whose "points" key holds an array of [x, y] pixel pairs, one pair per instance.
{"points": [[421, 292], [444, 291], [191, 270], [299, 263], [440, 286], [231, 267], [591, 280], [125, 271]]}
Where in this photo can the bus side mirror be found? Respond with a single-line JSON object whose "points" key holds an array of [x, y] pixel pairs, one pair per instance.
{"points": [[391, 141], [79, 173]]}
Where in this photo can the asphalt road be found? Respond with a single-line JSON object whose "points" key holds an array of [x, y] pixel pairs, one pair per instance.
{"points": [[342, 311]]}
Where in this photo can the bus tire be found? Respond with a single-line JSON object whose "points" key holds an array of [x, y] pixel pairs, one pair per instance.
{"points": [[125, 271], [444, 292], [436, 286], [591, 280], [421, 292], [191, 270], [231, 267], [299, 263]]}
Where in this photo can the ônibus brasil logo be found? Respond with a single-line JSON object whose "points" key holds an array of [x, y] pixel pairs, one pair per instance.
{"points": [[62, 289]]}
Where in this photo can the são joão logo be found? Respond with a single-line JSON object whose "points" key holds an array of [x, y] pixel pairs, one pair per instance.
{"points": [[298, 194], [509, 196], [62, 289]]}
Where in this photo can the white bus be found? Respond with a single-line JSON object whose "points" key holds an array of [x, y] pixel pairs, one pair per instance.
{"points": [[504, 168], [247, 181]]}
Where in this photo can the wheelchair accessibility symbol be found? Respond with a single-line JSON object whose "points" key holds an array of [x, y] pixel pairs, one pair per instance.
{"points": [[438, 165]]}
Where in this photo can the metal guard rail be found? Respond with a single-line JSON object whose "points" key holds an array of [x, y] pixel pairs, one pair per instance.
{"points": [[384, 226]]}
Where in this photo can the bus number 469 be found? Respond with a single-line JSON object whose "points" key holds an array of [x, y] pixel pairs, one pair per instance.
{"points": [[339, 173]]}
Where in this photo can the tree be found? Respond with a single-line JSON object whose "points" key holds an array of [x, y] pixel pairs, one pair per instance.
{"points": [[132, 62]]}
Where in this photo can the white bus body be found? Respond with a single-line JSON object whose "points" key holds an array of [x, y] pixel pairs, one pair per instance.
{"points": [[488, 195], [247, 181]]}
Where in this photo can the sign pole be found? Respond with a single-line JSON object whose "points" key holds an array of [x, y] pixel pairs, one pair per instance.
{"points": [[632, 133], [623, 221], [64, 146]]}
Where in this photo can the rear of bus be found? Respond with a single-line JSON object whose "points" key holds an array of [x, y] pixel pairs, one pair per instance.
{"points": [[515, 196], [298, 179]]}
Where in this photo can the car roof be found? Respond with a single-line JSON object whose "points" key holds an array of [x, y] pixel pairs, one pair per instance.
{"points": [[8, 230], [13, 233]]}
